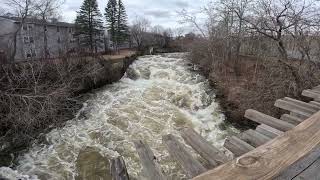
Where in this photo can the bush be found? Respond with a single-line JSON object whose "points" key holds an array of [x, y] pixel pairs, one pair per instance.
{"points": [[39, 95]]}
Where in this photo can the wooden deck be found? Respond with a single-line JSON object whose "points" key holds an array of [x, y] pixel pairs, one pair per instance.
{"points": [[279, 148]]}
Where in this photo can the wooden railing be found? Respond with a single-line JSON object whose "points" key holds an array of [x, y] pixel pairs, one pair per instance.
{"points": [[272, 158]]}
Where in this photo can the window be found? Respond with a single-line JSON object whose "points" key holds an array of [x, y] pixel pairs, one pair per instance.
{"points": [[33, 53], [45, 28], [31, 40], [25, 27], [58, 29], [30, 27], [70, 30], [26, 40], [59, 40]]}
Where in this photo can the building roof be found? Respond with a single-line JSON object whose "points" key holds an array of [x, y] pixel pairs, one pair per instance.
{"points": [[39, 21]]}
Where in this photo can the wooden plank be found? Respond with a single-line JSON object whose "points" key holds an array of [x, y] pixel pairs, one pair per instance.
{"points": [[269, 131], [237, 146], [299, 115], [303, 104], [291, 119], [201, 146], [189, 164], [272, 158], [311, 94], [118, 169], [315, 103], [311, 173], [148, 161], [300, 166], [268, 120], [254, 138], [316, 88], [292, 107]]}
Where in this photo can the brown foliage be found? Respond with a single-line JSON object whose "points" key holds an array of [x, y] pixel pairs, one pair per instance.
{"points": [[258, 83], [36, 96]]}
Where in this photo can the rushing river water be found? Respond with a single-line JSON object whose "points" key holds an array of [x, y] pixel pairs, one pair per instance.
{"points": [[158, 95]]}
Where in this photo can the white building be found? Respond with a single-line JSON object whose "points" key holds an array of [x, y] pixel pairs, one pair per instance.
{"points": [[37, 39]]}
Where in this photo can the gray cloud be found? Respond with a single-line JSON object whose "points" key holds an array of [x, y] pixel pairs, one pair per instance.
{"points": [[158, 13], [182, 4]]}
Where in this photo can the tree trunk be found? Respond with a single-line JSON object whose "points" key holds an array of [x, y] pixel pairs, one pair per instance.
{"points": [[14, 50], [282, 50], [45, 41], [284, 61]]}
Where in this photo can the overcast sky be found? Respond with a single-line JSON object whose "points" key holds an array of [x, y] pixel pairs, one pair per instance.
{"points": [[162, 12]]}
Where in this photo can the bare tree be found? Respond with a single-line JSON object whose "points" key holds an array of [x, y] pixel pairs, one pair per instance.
{"points": [[22, 9], [138, 31], [191, 18], [45, 10], [2, 11], [157, 34], [273, 19]]}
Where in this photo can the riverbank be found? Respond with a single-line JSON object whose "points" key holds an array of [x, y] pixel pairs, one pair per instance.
{"points": [[39, 96], [257, 84]]}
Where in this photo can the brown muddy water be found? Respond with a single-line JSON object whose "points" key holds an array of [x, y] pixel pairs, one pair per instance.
{"points": [[157, 96]]}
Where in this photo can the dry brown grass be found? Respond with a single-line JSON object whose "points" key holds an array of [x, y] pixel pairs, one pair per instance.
{"points": [[122, 54], [257, 84]]}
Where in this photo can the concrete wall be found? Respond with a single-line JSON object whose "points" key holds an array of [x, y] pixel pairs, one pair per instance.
{"points": [[7, 27]]}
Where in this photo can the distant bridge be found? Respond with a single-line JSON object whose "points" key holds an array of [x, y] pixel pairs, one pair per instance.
{"points": [[285, 148]]}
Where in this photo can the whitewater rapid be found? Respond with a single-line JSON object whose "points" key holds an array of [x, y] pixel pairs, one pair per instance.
{"points": [[158, 95]]}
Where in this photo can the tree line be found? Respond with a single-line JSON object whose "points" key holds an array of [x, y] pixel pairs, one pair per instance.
{"points": [[278, 20], [89, 23], [288, 29]]}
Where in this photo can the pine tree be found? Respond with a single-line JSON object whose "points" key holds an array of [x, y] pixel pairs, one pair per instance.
{"points": [[89, 24], [111, 15], [122, 27], [116, 18]]}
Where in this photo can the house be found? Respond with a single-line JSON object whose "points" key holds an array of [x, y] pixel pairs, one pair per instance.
{"points": [[38, 39]]}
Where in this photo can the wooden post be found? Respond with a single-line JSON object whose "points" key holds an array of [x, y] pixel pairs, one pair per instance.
{"points": [[291, 119], [237, 146], [295, 108], [119, 169], [268, 120], [148, 161], [190, 165], [254, 138], [269, 131], [207, 151], [311, 94]]}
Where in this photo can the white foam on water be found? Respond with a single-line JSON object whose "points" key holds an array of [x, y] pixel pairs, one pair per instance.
{"points": [[158, 95]]}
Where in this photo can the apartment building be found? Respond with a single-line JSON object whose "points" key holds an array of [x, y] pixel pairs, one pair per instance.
{"points": [[37, 39]]}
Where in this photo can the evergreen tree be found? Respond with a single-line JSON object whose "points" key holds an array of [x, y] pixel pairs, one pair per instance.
{"points": [[116, 18], [89, 24], [112, 19], [123, 30]]}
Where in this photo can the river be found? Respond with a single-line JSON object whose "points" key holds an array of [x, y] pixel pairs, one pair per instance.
{"points": [[158, 95]]}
